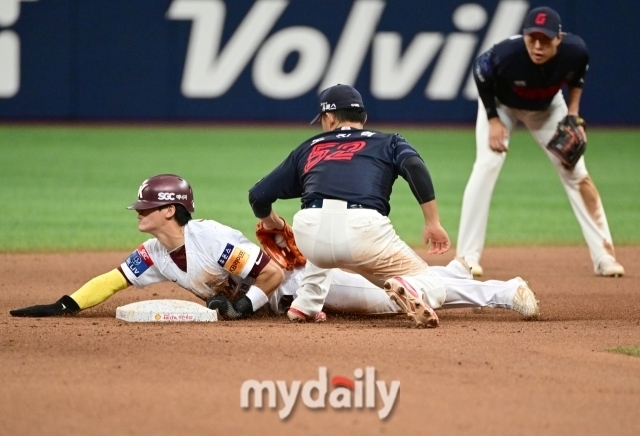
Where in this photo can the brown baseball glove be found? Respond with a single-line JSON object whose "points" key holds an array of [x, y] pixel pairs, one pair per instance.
{"points": [[281, 246], [568, 144]]}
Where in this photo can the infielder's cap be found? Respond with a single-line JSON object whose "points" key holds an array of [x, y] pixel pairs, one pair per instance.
{"points": [[163, 190], [542, 20], [338, 97]]}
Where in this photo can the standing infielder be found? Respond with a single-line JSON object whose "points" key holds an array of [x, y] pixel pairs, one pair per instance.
{"points": [[521, 79], [218, 264], [344, 178]]}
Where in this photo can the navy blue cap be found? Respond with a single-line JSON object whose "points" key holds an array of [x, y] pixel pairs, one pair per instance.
{"points": [[338, 97], [542, 20]]}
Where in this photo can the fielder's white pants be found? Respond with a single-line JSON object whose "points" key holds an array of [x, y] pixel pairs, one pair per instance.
{"points": [[582, 193], [362, 241], [353, 294]]}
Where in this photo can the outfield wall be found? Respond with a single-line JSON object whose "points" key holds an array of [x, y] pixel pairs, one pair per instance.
{"points": [[267, 59]]}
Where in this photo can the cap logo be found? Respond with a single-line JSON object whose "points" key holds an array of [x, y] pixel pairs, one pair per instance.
{"points": [[355, 105], [541, 18], [328, 106]]}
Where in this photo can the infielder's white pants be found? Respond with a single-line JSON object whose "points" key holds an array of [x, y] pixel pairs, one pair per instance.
{"points": [[360, 240], [353, 294], [582, 193]]}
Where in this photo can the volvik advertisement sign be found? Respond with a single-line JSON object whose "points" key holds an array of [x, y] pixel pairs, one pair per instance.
{"points": [[268, 59]]}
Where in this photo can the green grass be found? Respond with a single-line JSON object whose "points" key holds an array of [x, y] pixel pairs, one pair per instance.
{"points": [[627, 351], [66, 188]]}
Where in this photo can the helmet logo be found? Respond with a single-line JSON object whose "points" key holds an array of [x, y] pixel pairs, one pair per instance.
{"points": [[166, 196], [144, 185], [171, 196]]}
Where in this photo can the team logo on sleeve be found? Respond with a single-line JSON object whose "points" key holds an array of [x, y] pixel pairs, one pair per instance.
{"points": [[233, 259], [139, 261]]}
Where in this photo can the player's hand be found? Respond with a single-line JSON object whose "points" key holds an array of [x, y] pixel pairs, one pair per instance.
{"points": [[228, 310], [220, 303], [64, 306], [498, 136], [583, 133], [581, 129], [436, 235]]}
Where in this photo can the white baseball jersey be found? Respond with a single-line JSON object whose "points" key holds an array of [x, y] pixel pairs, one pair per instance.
{"points": [[219, 260]]}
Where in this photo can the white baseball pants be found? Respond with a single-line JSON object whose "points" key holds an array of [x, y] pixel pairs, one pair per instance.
{"points": [[353, 294], [582, 193], [362, 241]]}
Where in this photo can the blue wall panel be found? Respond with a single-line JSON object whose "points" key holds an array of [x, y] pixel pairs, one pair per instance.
{"points": [[129, 59]]}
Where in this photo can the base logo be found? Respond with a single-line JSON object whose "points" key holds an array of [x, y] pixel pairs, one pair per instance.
{"points": [[341, 393]]}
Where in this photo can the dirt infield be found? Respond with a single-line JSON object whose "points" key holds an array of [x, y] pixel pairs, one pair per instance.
{"points": [[479, 373]]}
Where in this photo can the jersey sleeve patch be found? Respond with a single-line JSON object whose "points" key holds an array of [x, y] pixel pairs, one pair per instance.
{"points": [[233, 259], [261, 262], [139, 261], [483, 68]]}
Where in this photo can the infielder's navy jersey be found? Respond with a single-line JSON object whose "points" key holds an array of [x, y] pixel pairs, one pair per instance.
{"points": [[506, 72], [357, 166]]}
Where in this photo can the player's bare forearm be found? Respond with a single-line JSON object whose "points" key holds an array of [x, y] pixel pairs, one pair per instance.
{"points": [[433, 233], [497, 135], [573, 104], [269, 278], [430, 212], [573, 107], [272, 221]]}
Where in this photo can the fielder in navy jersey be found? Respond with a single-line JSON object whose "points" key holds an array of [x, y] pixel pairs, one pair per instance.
{"points": [[344, 178], [520, 79]]}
